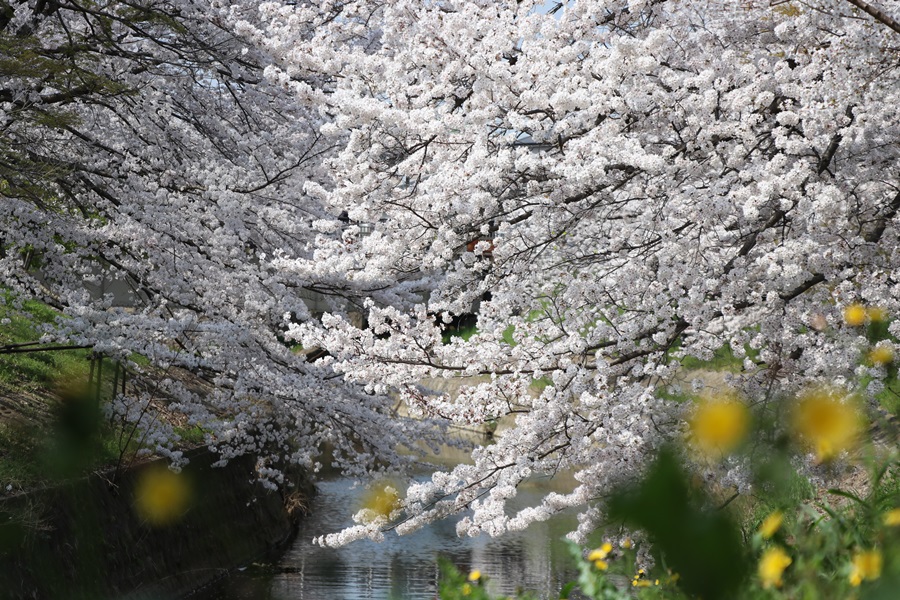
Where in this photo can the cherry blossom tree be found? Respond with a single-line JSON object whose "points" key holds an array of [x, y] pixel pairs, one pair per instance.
{"points": [[648, 180], [147, 143], [612, 185]]}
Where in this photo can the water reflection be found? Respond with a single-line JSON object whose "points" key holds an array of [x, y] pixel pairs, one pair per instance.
{"points": [[404, 568]]}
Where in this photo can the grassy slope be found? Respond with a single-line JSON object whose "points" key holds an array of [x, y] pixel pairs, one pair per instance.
{"points": [[36, 392], [35, 370]]}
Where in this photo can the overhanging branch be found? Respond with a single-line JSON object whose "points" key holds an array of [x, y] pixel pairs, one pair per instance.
{"points": [[877, 14]]}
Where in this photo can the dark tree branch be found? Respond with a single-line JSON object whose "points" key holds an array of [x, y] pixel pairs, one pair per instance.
{"points": [[11, 349], [877, 14], [814, 280], [833, 145], [875, 235]]}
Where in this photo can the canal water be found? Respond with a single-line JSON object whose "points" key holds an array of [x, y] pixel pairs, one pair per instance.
{"points": [[405, 567]]}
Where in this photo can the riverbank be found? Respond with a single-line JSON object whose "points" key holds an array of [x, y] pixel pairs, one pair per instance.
{"points": [[86, 539]]}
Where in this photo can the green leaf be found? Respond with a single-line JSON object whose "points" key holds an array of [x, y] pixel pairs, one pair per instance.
{"points": [[567, 589], [845, 494], [703, 546]]}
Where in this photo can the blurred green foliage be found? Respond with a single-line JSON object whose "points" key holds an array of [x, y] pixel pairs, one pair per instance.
{"points": [[702, 545]]}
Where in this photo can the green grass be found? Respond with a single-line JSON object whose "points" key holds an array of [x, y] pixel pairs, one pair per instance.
{"points": [[541, 383], [33, 455], [889, 397], [673, 394], [723, 360], [191, 435], [46, 439], [19, 466], [462, 332], [35, 370], [139, 359]]}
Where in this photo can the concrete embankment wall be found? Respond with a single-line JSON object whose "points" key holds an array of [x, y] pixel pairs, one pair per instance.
{"points": [[84, 539]]}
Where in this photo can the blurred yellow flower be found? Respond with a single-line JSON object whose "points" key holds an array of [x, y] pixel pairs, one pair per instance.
{"points": [[380, 502], [475, 575], [466, 589], [866, 566], [881, 354], [638, 579], [771, 524], [161, 496], [876, 314], [601, 552], [719, 425], [827, 421], [772, 565], [598, 556], [892, 517], [855, 315]]}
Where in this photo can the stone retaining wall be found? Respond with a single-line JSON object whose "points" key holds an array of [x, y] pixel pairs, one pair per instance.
{"points": [[85, 539]]}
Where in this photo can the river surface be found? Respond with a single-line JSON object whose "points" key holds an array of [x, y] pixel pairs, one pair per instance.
{"points": [[404, 568]]}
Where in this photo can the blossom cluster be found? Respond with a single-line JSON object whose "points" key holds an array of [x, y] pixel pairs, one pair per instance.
{"points": [[644, 183]]}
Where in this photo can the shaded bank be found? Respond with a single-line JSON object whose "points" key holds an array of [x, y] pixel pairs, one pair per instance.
{"points": [[85, 539]]}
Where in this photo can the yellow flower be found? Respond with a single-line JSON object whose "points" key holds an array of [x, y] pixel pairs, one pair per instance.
{"points": [[475, 575], [826, 422], [881, 355], [466, 589], [892, 517], [598, 556], [771, 524], [638, 579], [719, 425], [877, 314], [601, 552], [161, 496], [380, 502], [866, 566], [772, 565], [855, 315]]}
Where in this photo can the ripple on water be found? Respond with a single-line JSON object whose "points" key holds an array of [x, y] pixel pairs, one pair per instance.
{"points": [[404, 568]]}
